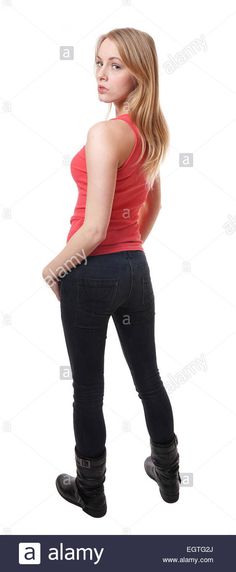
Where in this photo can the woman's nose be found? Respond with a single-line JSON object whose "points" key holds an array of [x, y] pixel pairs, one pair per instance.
{"points": [[102, 75]]}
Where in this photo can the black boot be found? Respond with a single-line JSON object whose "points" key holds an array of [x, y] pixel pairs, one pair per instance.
{"points": [[86, 490], [163, 467]]}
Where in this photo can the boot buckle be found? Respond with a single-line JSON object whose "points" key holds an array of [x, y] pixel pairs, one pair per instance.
{"points": [[84, 463]]}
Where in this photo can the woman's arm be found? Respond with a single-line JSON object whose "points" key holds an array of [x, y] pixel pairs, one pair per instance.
{"points": [[150, 209], [80, 245], [102, 157]]}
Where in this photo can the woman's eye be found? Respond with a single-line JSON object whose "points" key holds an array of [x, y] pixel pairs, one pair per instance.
{"points": [[118, 67]]}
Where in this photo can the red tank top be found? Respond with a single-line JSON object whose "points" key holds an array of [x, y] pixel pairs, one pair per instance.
{"points": [[130, 193]]}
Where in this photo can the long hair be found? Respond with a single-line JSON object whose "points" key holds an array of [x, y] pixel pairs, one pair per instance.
{"points": [[138, 52]]}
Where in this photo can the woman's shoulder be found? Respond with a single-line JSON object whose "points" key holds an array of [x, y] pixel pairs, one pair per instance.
{"points": [[115, 125], [116, 132]]}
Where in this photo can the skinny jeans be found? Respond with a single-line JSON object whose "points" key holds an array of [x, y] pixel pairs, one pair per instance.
{"points": [[117, 285]]}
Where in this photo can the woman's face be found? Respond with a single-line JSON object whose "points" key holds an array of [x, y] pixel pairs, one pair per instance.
{"points": [[112, 74]]}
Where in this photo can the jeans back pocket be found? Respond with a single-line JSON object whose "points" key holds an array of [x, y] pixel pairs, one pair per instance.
{"points": [[96, 295]]}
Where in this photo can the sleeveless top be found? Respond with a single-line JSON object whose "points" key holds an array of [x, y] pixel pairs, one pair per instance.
{"points": [[130, 193]]}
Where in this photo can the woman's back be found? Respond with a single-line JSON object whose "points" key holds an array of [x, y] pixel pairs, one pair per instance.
{"points": [[130, 193]]}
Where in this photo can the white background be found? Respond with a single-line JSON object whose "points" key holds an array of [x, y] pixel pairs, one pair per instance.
{"points": [[47, 106]]}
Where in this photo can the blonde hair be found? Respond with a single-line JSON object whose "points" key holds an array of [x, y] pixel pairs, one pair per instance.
{"points": [[138, 52]]}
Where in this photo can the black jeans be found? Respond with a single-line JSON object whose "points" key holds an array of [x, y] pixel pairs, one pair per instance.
{"points": [[118, 285]]}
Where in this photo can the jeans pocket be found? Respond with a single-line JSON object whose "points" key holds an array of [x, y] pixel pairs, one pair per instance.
{"points": [[63, 281], [96, 295]]}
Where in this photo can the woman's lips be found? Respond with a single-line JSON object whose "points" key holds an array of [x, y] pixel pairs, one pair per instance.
{"points": [[101, 88]]}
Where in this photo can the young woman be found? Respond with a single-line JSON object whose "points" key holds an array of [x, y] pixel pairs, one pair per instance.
{"points": [[103, 270]]}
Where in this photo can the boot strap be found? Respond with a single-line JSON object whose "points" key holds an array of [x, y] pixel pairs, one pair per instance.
{"points": [[83, 462], [90, 463]]}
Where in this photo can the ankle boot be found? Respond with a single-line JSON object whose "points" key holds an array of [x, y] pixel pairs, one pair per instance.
{"points": [[87, 489], [163, 467]]}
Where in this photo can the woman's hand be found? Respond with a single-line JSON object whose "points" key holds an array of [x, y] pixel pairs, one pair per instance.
{"points": [[52, 282], [55, 288]]}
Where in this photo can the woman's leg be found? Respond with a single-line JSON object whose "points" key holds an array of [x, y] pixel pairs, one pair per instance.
{"points": [[135, 325], [85, 335], [88, 386]]}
